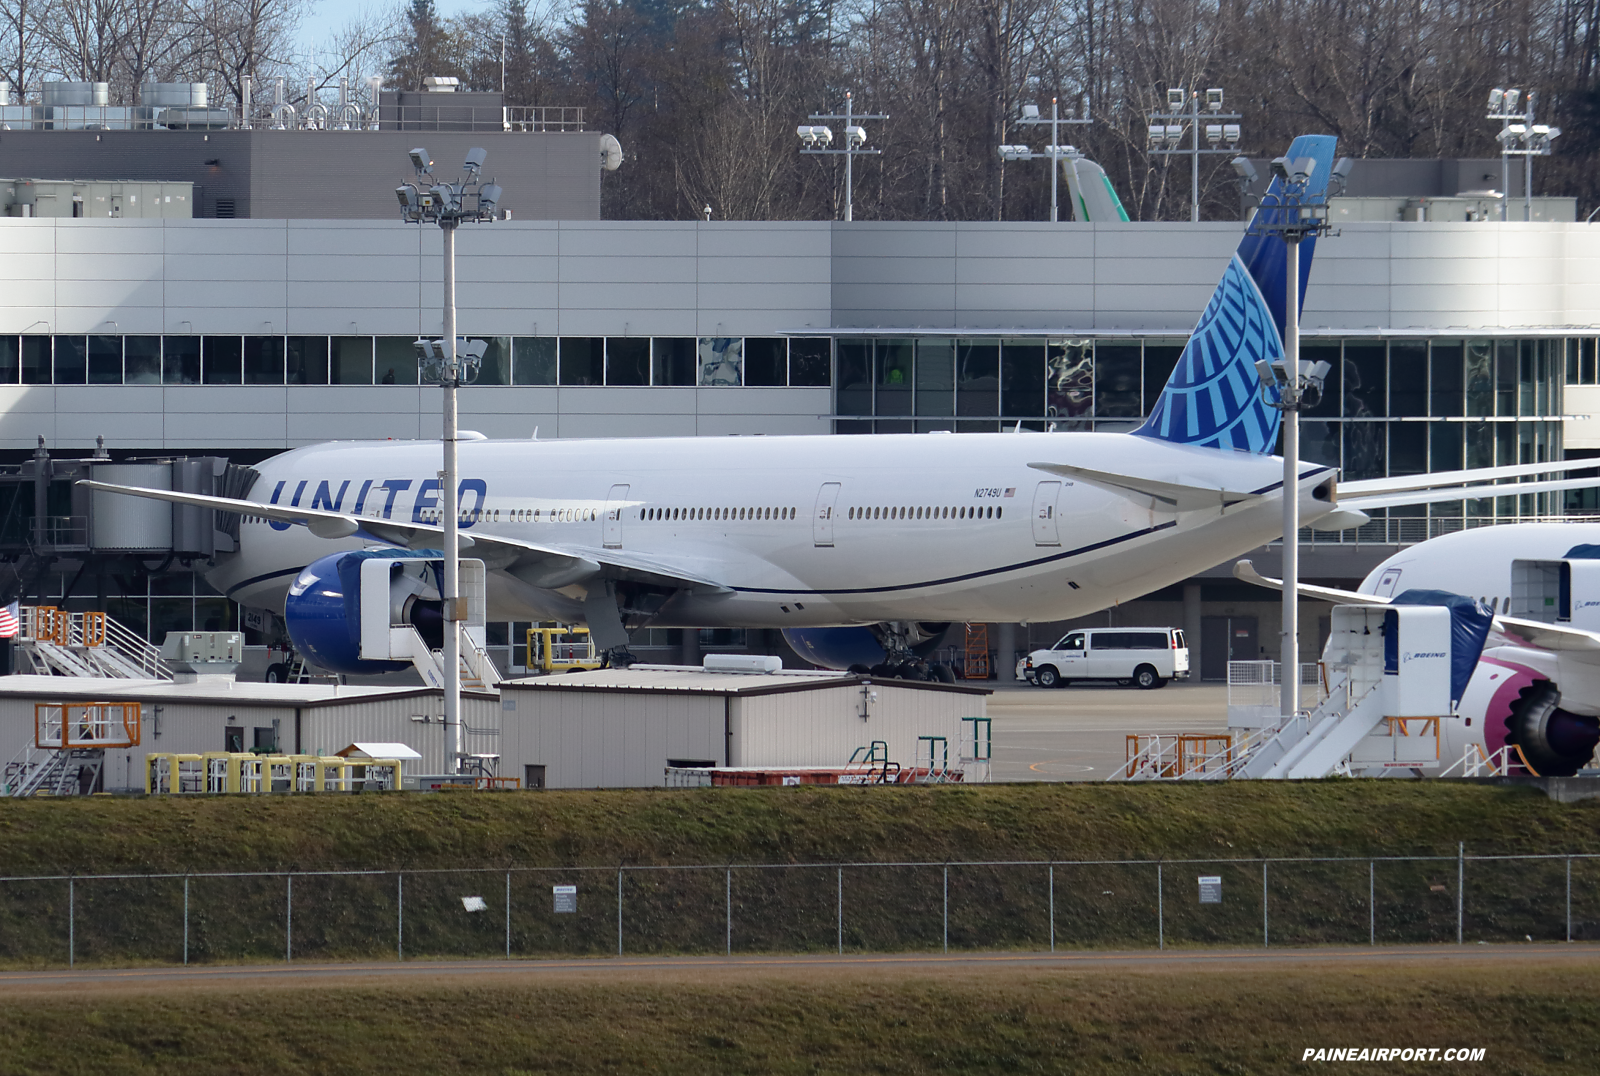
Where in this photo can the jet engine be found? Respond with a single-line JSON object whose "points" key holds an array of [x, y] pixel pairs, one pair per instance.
{"points": [[1518, 705], [864, 648], [324, 607]]}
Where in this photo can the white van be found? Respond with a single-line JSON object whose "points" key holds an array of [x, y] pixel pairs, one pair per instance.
{"points": [[1145, 657]]}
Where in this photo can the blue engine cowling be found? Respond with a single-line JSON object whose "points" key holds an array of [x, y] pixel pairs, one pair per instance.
{"points": [[322, 613], [840, 648]]}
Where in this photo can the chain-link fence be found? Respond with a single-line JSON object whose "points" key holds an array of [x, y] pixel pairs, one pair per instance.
{"points": [[232, 917]]}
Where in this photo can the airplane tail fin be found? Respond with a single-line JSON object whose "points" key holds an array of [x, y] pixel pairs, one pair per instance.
{"points": [[1093, 197], [1213, 397]]}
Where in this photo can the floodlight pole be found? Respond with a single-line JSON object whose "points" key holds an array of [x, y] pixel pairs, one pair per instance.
{"points": [[450, 599], [1057, 152], [1194, 158], [1191, 116], [1289, 659], [849, 116]]}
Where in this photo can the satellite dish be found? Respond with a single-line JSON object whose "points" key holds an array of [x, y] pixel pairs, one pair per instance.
{"points": [[610, 153]]}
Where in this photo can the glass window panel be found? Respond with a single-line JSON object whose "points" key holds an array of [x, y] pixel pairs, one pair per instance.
{"points": [[1332, 354], [672, 360], [1319, 441], [892, 373], [1480, 378], [1408, 380], [105, 360], [1445, 395], [855, 377], [1505, 377], [394, 360], [180, 360], [1549, 361], [350, 360], [894, 425], [1480, 444], [1445, 446], [721, 361], [141, 356], [1527, 375], [583, 360], [1116, 380], [307, 360], [1408, 448], [36, 360], [811, 361], [1069, 384], [533, 360], [1572, 362], [1364, 389], [936, 380], [10, 360], [766, 360], [172, 583], [1586, 361], [494, 368], [628, 360], [1365, 450], [221, 360], [72, 360], [169, 615], [1159, 362], [1022, 378], [977, 378]]}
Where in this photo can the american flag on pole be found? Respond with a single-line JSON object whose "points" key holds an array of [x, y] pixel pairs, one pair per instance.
{"points": [[8, 621]]}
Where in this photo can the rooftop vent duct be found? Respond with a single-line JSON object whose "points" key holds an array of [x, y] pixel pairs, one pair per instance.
{"points": [[441, 84], [83, 94], [174, 95]]}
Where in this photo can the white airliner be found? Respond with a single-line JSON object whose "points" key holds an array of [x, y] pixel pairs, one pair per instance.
{"points": [[856, 547], [1537, 684]]}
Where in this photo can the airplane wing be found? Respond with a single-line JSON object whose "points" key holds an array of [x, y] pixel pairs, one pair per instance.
{"points": [[326, 524], [1583, 645], [1245, 572], [1175, 496]]}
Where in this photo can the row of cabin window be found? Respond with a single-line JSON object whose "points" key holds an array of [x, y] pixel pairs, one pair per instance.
{"points": [[521, 515], [979, 512], [653, 515]]}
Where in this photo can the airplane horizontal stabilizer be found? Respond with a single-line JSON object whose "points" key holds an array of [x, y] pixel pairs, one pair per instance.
{"points": [[1476, 475], [1460, 493], [1169, 496]]}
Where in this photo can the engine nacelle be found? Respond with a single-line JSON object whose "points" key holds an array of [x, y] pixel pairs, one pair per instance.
{"points": [[1517, 704], [840, 648], [341, 628]]}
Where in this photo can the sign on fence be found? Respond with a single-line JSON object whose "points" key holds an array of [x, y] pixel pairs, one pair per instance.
{"points": [[1210, 889], [566, 897]]}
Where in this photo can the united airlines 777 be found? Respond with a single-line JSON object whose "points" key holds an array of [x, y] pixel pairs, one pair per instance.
{"points": [[856, 547]]}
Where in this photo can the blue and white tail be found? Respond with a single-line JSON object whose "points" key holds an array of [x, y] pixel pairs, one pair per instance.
{"points": [[1213, 397]]}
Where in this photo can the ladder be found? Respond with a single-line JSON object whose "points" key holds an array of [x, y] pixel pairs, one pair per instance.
{"points": [[975, 662]]}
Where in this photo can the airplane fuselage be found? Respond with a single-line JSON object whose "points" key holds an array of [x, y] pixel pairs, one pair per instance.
{"points": [[794, 531]]}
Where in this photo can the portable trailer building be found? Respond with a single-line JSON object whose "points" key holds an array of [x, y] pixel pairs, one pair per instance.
{"points": [[620, 728], [221, 714]]}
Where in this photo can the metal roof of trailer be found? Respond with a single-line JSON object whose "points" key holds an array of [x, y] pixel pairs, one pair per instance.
{"points": [[692, 679], [231, 692]]}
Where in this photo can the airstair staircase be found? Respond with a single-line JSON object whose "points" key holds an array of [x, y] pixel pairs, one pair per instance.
{"points": [[58, 642]]}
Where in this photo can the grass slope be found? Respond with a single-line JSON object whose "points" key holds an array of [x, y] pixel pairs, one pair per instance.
{"points": [[1530, 1020], [787, 825]]}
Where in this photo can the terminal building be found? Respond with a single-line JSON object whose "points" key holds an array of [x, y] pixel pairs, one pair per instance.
{"points": [[1453, 344]]}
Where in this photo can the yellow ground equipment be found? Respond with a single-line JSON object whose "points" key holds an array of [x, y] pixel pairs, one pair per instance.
{"points": [[561, 649], [230, 772]]}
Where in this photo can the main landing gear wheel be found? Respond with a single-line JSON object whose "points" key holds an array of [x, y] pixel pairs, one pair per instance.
{"points": [[944, 674], [277, 673], [1145, 677]]}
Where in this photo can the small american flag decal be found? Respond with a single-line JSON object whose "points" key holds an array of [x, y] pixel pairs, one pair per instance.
{"points": [[1011, 491]]}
